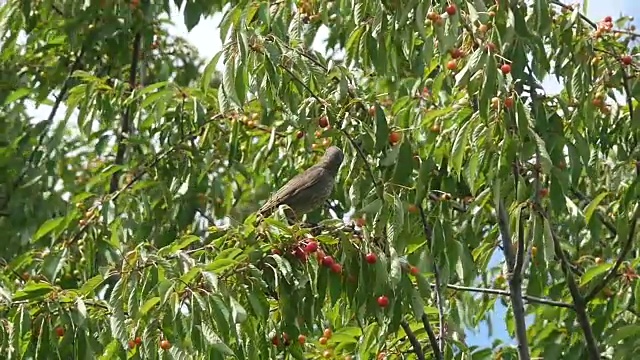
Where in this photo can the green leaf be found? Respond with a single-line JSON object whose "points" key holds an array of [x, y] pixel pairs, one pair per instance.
{"points": [[593, 272], [53, 264], [148, 305], [47, 227], [208, 72], [547, 237], [32, 291], [90, 285], [17, 95], [416, 303], [545, 159], [183, 243], [488, 90], [238, 313], [459, 147], [593, 205], [404, 165], [192, 13], [624, 332], [220, 265], [382, 129]]}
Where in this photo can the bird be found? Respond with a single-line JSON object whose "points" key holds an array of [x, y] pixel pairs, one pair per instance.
{"points": [[308, 190]]}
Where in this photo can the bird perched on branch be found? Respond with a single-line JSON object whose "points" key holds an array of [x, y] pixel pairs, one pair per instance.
{"points": [[309, 190]]}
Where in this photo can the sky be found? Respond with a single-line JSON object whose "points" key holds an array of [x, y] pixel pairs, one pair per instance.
{"points": [[206, 37]]}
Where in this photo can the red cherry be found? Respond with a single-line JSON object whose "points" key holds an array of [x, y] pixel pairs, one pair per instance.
{"points": [[452, 65], [394, 137], [328, 261], [300, 134], [275, 341], [608, 19], [451, 10], [414, 270], [371, 258], [60, 331], [302, 339], [323, 121], [300, 253], [383, 301], [311, 247], [132, 344], [456, 53], [506, 68], [165, 345], [137, 340], [508, 102], [336, 268], [627, 60]]}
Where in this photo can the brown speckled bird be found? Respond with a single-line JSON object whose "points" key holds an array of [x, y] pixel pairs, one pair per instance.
{"points": [[308, 190]]}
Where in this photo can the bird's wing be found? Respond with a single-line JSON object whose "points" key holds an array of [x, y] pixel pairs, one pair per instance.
{"points": [[298, 183]]}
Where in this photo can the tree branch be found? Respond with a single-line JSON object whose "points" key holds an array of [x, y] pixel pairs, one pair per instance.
{"points": [[519, 263], [432, 337], [125, 128], [438, 286], [515, 281], [580, 305], [417, 349]]}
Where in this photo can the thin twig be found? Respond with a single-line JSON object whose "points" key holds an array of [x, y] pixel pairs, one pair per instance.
{"points": [[376, 184], [438, 285], [320, 100], [417, 349], [528, 298], [206, 216], [515, 282], [581, 15]]}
